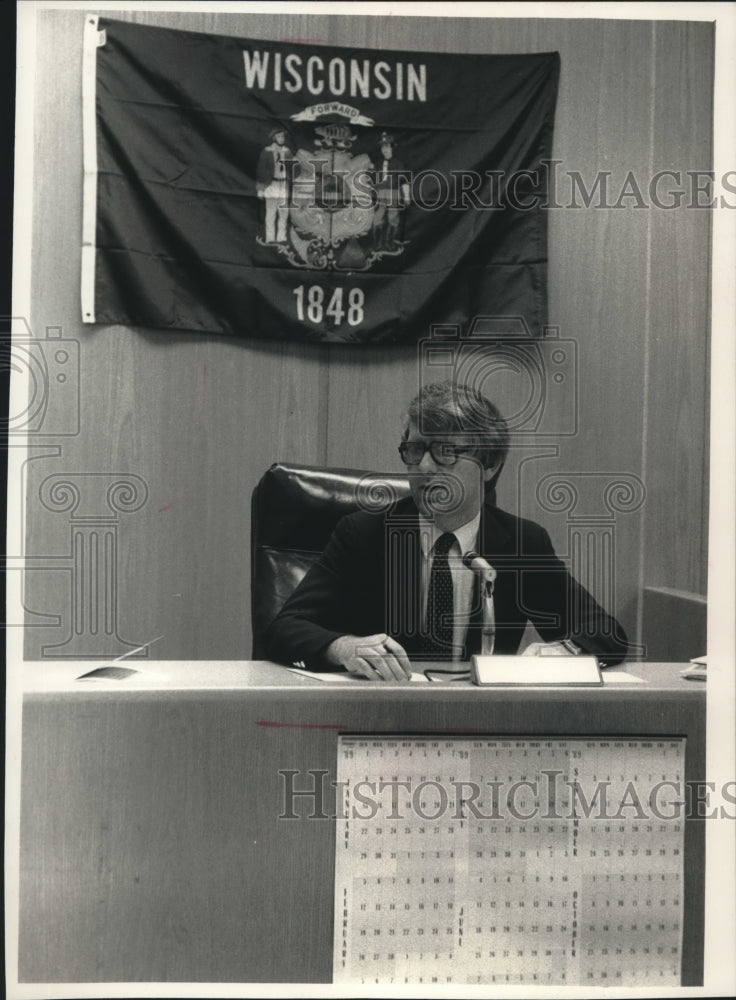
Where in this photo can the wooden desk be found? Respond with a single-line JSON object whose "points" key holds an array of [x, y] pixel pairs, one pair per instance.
{"points": [[151, 844]]}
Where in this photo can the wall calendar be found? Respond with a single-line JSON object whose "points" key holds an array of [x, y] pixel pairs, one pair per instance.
{"points": [[474, 860]]}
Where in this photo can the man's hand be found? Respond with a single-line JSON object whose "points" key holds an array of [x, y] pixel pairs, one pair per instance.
{"points": [[377, 657]]}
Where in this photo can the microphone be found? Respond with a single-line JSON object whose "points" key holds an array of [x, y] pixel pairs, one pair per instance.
{"points": [[480, 565]]}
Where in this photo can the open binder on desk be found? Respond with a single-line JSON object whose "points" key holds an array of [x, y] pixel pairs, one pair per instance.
{"points": [[519, 671]]}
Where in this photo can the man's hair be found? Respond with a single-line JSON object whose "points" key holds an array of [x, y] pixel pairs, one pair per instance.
{"points": [[458, 410]]}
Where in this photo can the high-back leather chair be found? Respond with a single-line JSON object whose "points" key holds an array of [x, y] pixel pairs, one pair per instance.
{"points": [[295, 509]]}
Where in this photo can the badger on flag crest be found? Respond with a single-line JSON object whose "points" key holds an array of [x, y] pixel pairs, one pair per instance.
{"points": [[280, 190]]}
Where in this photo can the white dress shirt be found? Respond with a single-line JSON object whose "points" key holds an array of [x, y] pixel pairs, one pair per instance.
{"points": [[463, 579]]}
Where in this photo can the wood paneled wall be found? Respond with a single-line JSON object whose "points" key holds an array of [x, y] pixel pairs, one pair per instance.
{"points": [[199, 419]]}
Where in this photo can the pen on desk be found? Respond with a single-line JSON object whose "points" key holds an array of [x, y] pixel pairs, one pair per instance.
{"points": [[695, 672], [132, 652], [109, 671]]}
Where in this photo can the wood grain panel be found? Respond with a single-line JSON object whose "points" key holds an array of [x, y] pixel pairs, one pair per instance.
{"points": [[674, 623], [678, 387], [367, 398], [598, 292], [168, 861]]}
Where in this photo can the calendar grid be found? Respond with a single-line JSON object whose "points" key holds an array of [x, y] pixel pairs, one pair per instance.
{"points": [[468, 860]]}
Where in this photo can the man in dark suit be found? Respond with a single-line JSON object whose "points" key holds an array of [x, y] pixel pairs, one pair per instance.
{"points": [[392, 586]]}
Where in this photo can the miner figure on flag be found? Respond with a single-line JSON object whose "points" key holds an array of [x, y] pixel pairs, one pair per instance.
{"points": [[392, 196]]}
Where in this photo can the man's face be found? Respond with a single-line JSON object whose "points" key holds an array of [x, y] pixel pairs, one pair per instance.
{"points": [[280, 138], [453, 494], [386, 150]]}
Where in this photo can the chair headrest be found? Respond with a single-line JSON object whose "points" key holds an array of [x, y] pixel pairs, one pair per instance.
{"points": [[298, 506]]}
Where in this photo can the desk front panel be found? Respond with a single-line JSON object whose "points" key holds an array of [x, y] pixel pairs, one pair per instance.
{"points": [[152, 847]]}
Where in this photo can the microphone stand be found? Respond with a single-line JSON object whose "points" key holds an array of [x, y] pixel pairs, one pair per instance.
{"points": [[488, 633], [487, 575]]}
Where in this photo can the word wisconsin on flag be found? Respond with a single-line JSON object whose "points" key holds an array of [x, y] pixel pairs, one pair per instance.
{"points": [[275, 190]]}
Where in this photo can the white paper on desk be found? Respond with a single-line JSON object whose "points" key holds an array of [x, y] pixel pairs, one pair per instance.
{"points": [[339, 677], [518, 671], [620, 677]]}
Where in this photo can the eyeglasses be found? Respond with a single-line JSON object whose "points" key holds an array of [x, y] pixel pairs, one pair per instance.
{"points": [[412, 452]]}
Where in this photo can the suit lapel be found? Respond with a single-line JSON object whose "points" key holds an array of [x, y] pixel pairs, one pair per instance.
{"points": [[403, 575], [494, 538]]}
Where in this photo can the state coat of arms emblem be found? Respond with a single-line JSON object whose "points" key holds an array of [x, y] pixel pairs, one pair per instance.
{"points": [[328, 206]]}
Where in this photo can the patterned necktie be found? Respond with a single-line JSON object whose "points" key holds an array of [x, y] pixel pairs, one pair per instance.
{"points": [[440, 600]]}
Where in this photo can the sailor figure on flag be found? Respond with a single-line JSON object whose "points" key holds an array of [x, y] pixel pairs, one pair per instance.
{"points": [[272, 186]]}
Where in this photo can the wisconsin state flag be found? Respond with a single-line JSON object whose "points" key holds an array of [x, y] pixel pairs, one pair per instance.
{"points": [[279, 190]]}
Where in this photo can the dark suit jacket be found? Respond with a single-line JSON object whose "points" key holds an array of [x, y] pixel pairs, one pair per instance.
{"points": [[366, 581]]}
